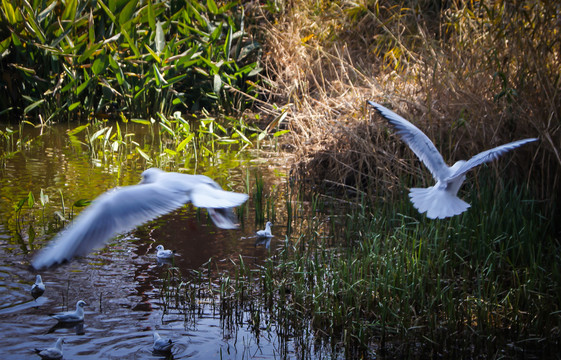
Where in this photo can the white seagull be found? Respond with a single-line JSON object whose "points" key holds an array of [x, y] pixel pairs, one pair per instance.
{"points": [[38, 288], [164, 254], [122, 209], [71, 316], [266, 232], [54, 353], [161, 344], [440, 201]]}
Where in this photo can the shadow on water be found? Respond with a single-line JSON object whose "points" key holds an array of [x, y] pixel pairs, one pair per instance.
{"points": [[123, 283]]}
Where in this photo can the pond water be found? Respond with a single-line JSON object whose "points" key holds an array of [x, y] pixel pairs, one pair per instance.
{"points": [[123, 282]]}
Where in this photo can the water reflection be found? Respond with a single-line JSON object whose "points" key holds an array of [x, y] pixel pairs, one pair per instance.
{"points": [[123, 282]]}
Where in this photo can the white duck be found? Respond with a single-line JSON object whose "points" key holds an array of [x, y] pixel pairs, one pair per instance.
{"points": [[53, 353], [440, 201], [71, 316], [163, 253], [161, 344], [38, 288], [122, 209], [266, 232]]}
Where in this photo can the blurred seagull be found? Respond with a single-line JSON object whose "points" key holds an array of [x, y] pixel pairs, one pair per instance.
{"points": [[440, 201], [164, 254], [122, 209], [266, 232], [71, 316], [54, 353], [160, 344], [38, 288]]}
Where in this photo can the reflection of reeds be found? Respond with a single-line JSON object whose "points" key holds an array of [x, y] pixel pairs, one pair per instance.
{"points": [[387, 280]]}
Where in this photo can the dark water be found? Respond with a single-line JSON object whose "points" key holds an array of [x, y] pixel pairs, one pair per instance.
{"points": [[122, 283]]}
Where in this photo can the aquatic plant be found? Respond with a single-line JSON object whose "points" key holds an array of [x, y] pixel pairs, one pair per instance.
{"points": [[106, 58]]}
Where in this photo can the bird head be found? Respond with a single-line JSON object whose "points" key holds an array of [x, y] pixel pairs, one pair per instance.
{"points": [[150, 175]]}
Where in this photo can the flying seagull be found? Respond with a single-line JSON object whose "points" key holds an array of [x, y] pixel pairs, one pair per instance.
{"points": [[440, 201], [122, 209]]}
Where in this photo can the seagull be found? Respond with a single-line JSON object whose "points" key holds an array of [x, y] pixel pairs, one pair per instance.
{"points": [[160, 344], [266, 232], [164, 254], [71, 316], [122, 209], [54, 353], [38, 288], [440, 201]]}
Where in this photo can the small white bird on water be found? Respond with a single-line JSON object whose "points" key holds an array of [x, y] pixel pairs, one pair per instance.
{"points": [[164, 254], [266, 232], [38, 288], [54, 353], [122, 209], [71, 316], [440, 201], [161, 344]]}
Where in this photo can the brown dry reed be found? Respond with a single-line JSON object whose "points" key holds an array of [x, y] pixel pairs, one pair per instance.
{"points": [[471, 74]]}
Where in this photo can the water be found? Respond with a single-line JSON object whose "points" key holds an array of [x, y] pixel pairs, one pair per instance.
{"points": [[123, 282]]}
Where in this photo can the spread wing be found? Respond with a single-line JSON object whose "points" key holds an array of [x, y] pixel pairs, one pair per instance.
{"points": [[113, 212], [421, 145], [486, 156]]}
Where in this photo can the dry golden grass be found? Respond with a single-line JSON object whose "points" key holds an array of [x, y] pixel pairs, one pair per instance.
{"points": [[472, 75]]}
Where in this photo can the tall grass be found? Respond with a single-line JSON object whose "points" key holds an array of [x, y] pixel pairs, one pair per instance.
{"points": [[472, 75], [484, 283]]}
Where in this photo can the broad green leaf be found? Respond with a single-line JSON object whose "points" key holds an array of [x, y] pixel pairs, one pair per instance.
{"points": [[82, 87], [127, 12], [280, 133], [74, 105], [141, 121], [97, 134], [151, 16], [82, 203], [159, 78], [143, 154], [77, 129], [211, 5], [9, 12], [131, 43], [99, 65], [107, 11], [185, 141], [30, 200], [33, 106], [69, 12]]}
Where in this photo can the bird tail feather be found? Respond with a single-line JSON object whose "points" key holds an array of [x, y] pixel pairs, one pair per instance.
{"points": [[437, 203]]}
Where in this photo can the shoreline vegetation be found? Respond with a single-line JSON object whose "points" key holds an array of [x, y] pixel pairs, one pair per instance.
{"points": [[471, 74]]}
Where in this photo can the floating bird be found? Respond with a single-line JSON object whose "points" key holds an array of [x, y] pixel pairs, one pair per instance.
{"points": [[440, 201], [164, 254], [38, 288], [266, 232], [122, 209], [54, 353], [71, 316], [160, 344]]}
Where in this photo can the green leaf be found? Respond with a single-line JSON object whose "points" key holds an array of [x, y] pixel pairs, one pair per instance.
{"points": [[141, 121], [280, 133], [127, 12], [30, 200], [211, 5], [100, 64], [151, 16], [154, 55], [74, 105], [82, 203], [82, 86], [33, 106], [77, 129], [143, 154], [185, 141]]}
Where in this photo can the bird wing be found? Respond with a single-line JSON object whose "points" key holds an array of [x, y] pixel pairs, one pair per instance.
{"points": [[421, 145], [486, 156], [113, 212], [212, 196]]}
